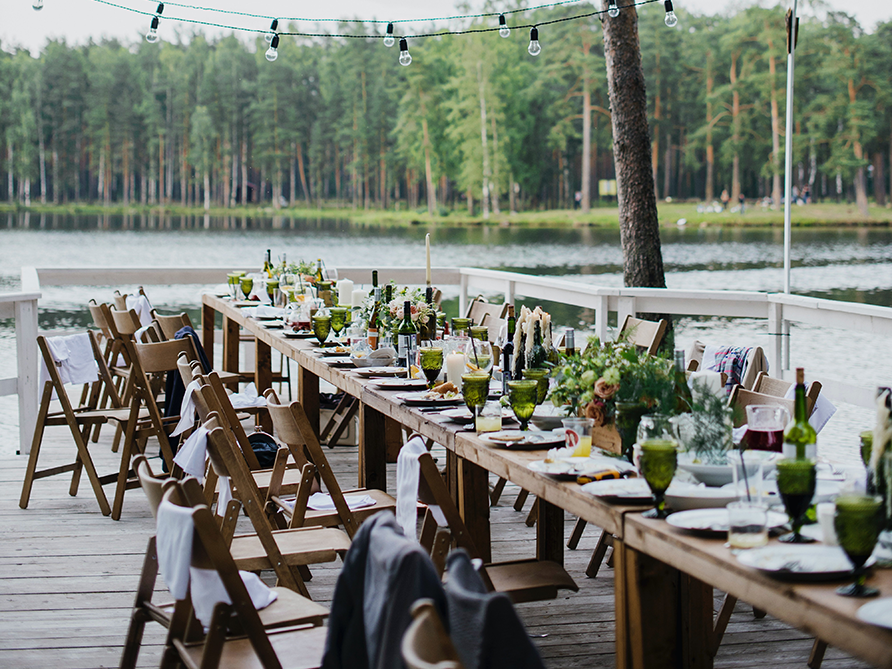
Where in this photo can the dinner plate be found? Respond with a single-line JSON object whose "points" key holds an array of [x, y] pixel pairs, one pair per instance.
{"points": [[714, 521], [719, 475], [371, 372], [684, 496], [522, 441], [564, 469], [400, 384], [336, 351], [878, 612], [626, 491], [424, 399], [272, 324], [799, 562], [547, 417], [299, 334], [339, 362]]}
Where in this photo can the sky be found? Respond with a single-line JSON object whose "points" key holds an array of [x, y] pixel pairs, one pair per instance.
{"points": [[78, 21]]}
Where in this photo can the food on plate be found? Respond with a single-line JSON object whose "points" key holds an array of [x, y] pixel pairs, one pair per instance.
{"points": [[558, 454], [434, 395], [445, 388], [508, 437]]}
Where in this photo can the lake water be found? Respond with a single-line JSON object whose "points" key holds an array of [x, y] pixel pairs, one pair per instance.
{"points": [[853, 264]]}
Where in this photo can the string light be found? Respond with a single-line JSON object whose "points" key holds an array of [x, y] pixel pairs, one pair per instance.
{"points": [[388, 39], [405, 56], [273, 52], [273, 28], [504, 30], [612, 9], [671, 19], [37, 5], [534, 48], [152, 35]]}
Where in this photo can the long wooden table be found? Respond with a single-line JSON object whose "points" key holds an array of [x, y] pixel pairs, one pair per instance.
{"points": [[664, 578]]}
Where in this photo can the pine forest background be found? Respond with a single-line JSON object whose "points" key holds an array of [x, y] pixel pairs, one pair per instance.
{"points": [[340, 122]]}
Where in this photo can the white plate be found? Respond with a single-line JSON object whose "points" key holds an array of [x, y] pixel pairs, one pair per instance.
{"points": [[630, 491], [400, 384], [714, 521], [805, 562], [335, 351], [717, 475], [422, 399], [459, 415], [298, 334], [565, 468], [528, 441], [684, 496], [369, 372], [878, 612], [547, 417], [339, 362]]}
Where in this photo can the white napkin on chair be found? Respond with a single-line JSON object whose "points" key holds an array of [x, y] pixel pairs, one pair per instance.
{"points": [[74, 359], [140, 304], [187, 409], [407, 470], [192, 456], [247, 398], [320, 501], [823, 410]]}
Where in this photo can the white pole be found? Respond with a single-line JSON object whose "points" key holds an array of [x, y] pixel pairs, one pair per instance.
{"points": [[788, 147]]}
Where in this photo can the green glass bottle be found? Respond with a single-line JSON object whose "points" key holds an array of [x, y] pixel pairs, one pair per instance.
{"points": [[683, 399], [407, 340], [508, 352], [800, 438], [538, 355]]}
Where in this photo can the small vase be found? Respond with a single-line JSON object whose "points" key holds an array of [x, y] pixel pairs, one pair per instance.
{"points": [[628, 415]]}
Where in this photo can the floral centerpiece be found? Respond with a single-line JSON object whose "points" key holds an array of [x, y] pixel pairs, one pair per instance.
{"points": [[392, 313]]}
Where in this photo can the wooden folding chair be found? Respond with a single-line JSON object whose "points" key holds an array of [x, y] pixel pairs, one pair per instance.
{"points": [[741, 398], [171, 323], [522, 580], [237, 636], [479, 308], [293, 427], [647, 335], [290, 608], [283, 551], [426, 644], [81, 420]]}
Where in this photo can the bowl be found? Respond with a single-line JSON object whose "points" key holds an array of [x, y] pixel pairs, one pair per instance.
{"points": [[382, 357], [719, 475], [548, 417], [685, 496]]}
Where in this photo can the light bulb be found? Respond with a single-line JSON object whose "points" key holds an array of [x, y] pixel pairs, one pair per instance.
{"points": [[152, 35], [405, 57], [388, 39], [272, 53], [671, 19], [504, 30], [612, 9], [37, 5], [534, 47], [273, 27]]}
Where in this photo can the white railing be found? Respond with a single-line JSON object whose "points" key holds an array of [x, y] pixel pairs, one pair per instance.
{"points": [[22, 307], [778, 310]]}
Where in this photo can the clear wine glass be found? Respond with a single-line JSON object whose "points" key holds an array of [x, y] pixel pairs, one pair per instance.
{"points": [[478, 356]]}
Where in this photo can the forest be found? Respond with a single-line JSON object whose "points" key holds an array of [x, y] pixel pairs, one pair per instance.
{"points": [[474, 122]]}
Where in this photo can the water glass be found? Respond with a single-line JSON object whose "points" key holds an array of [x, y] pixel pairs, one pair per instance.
{"points": [[578, 435], [656, 426], [478, 356], [522, 395], [659, 459], [796, 484], [247, 285], [747, 474], [460, 325], [747, 525], [480, 332], [858, 522], [489, 417]]}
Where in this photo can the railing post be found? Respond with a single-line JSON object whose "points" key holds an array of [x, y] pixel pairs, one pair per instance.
{"points": [[509, 292], [463, 295], [26, 354], [625, 307], [776, 337], [602, 311]]}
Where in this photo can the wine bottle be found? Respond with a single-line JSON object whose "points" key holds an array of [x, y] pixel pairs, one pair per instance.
{"points": [[373, 320], [374, 279], [800, 438], [570, 343], [683, 399], [388, 294], [319, 274], [429, 329], [538, 354], [508, 352], [407, 340], [267, 266]]}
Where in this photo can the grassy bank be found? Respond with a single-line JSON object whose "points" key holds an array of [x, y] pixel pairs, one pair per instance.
{"points": [[824, 214]]}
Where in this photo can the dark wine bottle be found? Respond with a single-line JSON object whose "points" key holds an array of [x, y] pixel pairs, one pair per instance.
{"points": [[570, 343], [538, 355], [508, 352], [373, 320], [800, 438], [407, 340], [683, 400]]}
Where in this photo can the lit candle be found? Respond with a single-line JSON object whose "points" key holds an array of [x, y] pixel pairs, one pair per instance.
{"points": [[359, 296], [427, 245], [455, 367], [345, 292]]}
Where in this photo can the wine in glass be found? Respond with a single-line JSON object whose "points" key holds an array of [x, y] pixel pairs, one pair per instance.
{"points": [[522, 396], [659, 458], [321, 326], [338, 319], [796, 485], [858, 521], [431, 363], [478, 356], [539, 374], [764, 428], [247, 285]]}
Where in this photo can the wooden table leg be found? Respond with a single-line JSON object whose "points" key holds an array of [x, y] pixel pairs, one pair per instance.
{"points": [[550, 532], [208, 321], [308, 395], [372, 448], [472, 500], [230, 345], [263, 378], [696, 599]]}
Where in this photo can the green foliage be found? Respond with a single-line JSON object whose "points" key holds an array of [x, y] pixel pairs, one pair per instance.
{"points": [[706, 431]]}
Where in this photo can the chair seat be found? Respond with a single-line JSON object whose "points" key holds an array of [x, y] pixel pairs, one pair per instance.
{"points": [[291, 608], [298, 546], [95, 416], [290, 480], [383, 502], [296, 649], [530, 580]]}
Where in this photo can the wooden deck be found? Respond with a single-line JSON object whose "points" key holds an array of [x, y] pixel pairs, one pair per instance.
{"points": [[68, 577]]}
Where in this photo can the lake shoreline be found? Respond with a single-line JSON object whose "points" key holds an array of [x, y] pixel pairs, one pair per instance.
{"points": [[674, 214]]}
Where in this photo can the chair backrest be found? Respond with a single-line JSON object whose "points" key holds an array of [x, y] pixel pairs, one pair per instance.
{"points": [[768, 385], [218, 401], [189, 369], [153, 486], [756, 363], [170, 324], [647, 335], [162, 356], [126, 321], [293, 427], [494, 326], [104, 377], [479, 308], [741, 398], [426, 644]]}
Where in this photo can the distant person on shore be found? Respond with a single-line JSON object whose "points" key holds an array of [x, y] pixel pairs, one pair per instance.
{"points": [[578, 199], [725, 199], [742, 200], [806, 194]]}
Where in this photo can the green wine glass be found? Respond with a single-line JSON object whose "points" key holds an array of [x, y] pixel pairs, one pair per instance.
{"points": [[431, 363], [522, 396], [658, 461], [272, 290], [232, 279], [338, 319], [796, 485], [321, 327], [460, 325], [479, 332], [540, 375], [475, 389], [858, 521], [247, 285]]}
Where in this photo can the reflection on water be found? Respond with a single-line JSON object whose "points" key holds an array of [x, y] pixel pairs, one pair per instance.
{"points": [[853, 264]]}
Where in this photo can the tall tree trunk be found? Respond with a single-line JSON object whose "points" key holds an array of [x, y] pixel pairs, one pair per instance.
{"points": [[858, 149], [292, 176], [125, 151], [735, 129], [160, 169], [658, 114], [879, 178], [41, 153], [775, 127], [470, 202], [244, 163], [586, 189], [710, 149], [301, 171], [638, 221], [57, 181], [486, 173], [10, 173], [100, 194], [382, 171], [494, 190], [428, 167], [667, 167]]}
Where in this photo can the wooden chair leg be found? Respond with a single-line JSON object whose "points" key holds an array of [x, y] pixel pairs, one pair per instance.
{"points": [[758, 614], [533, 515], [497, 490], [721, 622], [521, 500], [817, 654], [605, 541], [576, 535]]}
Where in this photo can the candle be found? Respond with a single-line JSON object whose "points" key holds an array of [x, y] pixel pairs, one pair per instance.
{"points": [[359, 296], [345, 292], [455, 367], [427, 245]]}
